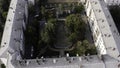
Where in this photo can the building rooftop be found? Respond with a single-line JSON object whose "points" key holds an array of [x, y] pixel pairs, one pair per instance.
{"points": [[62, 1], [12, 41], [8, 28], [107, 27], [68, 62]]}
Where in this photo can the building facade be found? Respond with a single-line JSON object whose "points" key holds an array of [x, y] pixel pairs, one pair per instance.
{"points": [[105, 34], [12, 45]]}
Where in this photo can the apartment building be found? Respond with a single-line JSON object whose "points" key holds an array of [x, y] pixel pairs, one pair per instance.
{"points": [[13, 37], [105, 34]]}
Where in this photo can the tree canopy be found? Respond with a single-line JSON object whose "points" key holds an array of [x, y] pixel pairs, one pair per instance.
{"points": [[84, 48], [48, 33], [76, 27]]}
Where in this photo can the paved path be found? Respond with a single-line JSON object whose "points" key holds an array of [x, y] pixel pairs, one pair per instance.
{"points": [[62, 40]]}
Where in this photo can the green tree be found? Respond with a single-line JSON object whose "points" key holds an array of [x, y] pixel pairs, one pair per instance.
{"points": [[74, 22], [79, 8], [61, 8], [80, 49], [75, 26], [84, 48], [90, 48], [51, 25], [43, 10], [45, 37], [73, 37], [48, 34], [4, 6], [3, 66]]}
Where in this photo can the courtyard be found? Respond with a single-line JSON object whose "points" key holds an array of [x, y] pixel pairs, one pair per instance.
{"points": [[56, 29]]}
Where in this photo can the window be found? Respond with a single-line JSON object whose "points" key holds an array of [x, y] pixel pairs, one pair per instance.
{"points": [[97, 32], [94, 37]]}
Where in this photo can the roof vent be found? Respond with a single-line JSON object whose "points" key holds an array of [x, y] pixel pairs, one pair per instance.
{"points": [[38, 62], [118, 55], [109, 35], [13, 11], [80, 59], [95, 2], [9, 20], [118, 65], [110, 25], [27, 62], [102, 20], [99, 10], [105, 35], [108, 16], [113, 49], [5, 43], [54, 60]]}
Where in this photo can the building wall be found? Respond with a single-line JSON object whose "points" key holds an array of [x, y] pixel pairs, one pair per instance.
{"points": [[97, 36], [13, 36], [105, 33]]}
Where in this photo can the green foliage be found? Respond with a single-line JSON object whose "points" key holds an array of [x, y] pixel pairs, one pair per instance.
{"points": [[76, 33], [43, 11], [76, 27], [48, 34], [90, 48], [3, 66], [79, 8], [4, 14], [72, 37], [61, 7], [4, 6], [74, 22], [84, 48], [80, 48], [49, 14], [51, 25], [45, 37]]}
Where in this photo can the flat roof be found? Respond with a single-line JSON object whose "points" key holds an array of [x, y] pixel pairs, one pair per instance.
{"points": [[63, 62], [11, 40], [110, 34], [92, 61], [62, 1], [6, 38]]}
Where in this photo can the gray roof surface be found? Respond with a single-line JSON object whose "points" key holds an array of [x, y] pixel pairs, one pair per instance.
{"points": [[70, 62], [107, 27]]}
